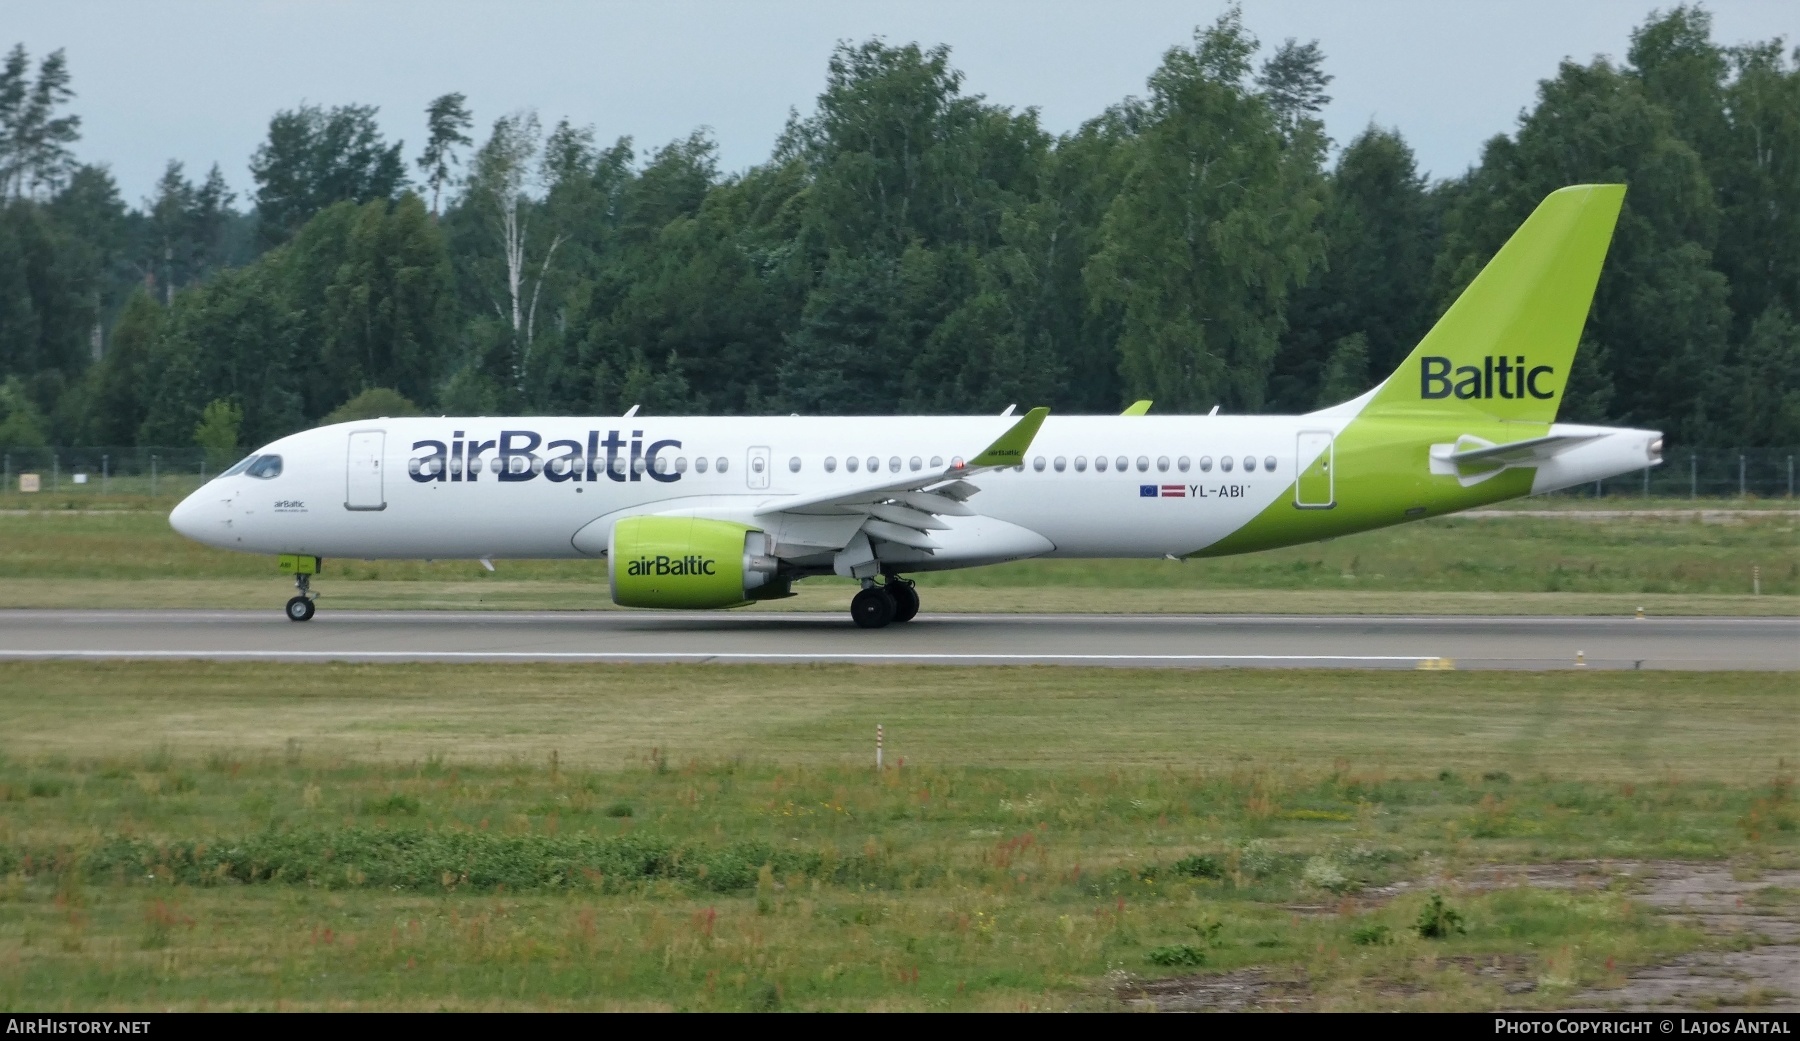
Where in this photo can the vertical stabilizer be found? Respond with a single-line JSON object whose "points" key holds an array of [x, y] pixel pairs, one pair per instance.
{"points": [[1504, 348]]}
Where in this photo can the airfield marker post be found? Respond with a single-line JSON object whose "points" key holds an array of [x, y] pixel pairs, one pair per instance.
{"points": [[1756, 580], [1741, 489], [1694, 476], [878, 736], [105, 472], [152, 478]]}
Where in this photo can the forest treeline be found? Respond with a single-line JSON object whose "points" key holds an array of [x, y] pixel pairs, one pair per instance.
{"points": [[906, 247]]}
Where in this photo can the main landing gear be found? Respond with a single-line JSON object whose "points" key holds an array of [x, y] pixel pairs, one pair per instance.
{"points": [[878, 605], [300, 608]]}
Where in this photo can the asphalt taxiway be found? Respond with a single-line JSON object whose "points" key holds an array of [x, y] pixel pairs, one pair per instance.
{"points": [[1190, 641]]}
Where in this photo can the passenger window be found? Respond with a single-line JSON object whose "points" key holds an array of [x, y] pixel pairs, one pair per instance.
{"points": [[1206, 464], [618, 466], [1269, 463], [1162, 463], [894, 464], [1225, 463], [699, 464], [794, 465], [1144, 463], [1081, 464], [852, 463], [1061, 464], [1121, 463], [915, 463], [239, 467], [637, 466], [264, 467], [1249, 464], [937, 462], [681, 464], [662, 465], [756, 465], [831, 464], [1182, 464], [1038, 464], [722, 464], [1100, 464], [874, 464]]}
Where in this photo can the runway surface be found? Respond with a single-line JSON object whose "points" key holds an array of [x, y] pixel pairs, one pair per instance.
{"points": [[1191, 641]]}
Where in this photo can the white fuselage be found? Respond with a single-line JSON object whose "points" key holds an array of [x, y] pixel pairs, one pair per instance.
{"points": [[1170, 485]]}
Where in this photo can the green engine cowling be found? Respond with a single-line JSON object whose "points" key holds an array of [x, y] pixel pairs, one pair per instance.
{"points": [[689, 562]]}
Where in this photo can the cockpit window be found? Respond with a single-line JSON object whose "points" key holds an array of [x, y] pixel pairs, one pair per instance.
{"points": [[264, 467], [240, 466]]}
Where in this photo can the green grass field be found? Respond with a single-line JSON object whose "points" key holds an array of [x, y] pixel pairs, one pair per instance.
{"points": [[1669, 565], [186, 835]]}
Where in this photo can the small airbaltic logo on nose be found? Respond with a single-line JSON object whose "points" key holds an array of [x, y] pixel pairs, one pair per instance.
{"points": [[1510, 377]]}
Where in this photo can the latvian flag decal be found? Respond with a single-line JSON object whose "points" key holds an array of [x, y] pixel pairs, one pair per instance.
{"points": [[1167, 491]]}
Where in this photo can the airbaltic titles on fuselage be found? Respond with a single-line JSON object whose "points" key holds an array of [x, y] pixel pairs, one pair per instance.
{"points": [[563, 459]]}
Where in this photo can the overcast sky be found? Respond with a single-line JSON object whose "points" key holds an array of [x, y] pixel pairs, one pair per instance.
{"points": [[197, 80]]}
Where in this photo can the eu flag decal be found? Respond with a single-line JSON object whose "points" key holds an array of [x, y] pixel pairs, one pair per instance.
{"points": [[1146, 491]]}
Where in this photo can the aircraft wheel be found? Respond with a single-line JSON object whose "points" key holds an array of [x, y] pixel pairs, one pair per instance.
{"points": [[299, 609], [872, 608], [906, 599]]}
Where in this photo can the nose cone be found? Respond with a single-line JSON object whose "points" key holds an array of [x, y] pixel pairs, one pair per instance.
{"points": [[200, 517]]}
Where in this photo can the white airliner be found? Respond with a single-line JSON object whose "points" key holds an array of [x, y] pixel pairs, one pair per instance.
{"points": [[705, 512]]}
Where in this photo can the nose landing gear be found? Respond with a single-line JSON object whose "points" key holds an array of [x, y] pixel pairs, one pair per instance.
{"points": [[303, 568], [879, 605], [300, 607]]}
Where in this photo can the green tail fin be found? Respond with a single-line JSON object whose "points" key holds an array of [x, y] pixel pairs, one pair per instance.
{"points": [[1504, 348]]}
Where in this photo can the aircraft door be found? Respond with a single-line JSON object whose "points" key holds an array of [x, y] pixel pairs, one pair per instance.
{"points": [[1316, 488], [363, 490], [757, 472]]}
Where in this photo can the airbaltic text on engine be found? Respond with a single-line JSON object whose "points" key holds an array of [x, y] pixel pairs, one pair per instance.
{"points": [[563, 460], [665, 565]]}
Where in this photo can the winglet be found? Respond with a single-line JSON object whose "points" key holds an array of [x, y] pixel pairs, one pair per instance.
{"points": [[1138, 408], [1009, 448]]}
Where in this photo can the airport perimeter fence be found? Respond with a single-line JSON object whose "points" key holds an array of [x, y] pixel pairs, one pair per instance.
{"points": [[65, 477]]}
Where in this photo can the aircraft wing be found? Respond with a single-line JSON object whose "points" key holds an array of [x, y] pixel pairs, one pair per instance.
{"points": [[903, 510]]}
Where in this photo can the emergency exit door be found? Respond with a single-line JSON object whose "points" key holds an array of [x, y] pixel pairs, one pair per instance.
{"points": [[1316, 488], [364, 490]]}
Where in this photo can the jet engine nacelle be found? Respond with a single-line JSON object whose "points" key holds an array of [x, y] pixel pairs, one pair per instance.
{"points": [[689, 562]]}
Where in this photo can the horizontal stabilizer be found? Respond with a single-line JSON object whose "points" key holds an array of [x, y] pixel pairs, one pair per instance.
{"points": [[1518, 453], [1472, 460]]}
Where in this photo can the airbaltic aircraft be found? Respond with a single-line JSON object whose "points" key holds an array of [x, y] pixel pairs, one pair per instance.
{"points": [[693, 512]]}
